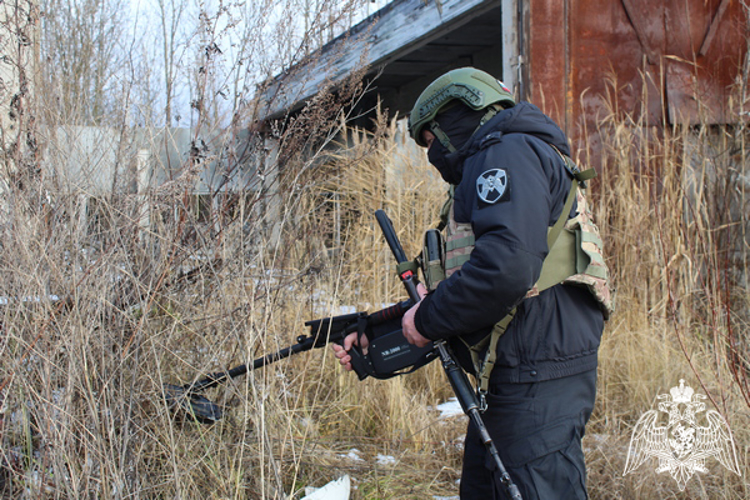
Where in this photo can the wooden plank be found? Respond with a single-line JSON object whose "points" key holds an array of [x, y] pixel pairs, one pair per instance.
{"points": [[403, 26]]}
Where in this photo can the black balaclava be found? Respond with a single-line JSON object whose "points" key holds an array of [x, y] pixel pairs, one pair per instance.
{"points": [[459, 122]]}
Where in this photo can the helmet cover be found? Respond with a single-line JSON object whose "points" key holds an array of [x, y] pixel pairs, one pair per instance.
{"points": [[475, 88]]}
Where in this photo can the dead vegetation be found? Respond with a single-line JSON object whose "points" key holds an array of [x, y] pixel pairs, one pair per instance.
{"points": [[102, 330], [99, 309]]}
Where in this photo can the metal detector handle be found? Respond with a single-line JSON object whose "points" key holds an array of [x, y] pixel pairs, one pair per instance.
{"points": [[407, 277], [359, 364], [395, 311]]}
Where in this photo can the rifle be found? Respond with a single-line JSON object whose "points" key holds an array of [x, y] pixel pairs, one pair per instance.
{"points": [[456, 376], [387, 355]]}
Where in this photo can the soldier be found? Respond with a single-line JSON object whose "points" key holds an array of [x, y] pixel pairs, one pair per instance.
{"points": [[524, 293]]}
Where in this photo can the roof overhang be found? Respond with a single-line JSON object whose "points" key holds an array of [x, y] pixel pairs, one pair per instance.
{"points": [[403, 46]]}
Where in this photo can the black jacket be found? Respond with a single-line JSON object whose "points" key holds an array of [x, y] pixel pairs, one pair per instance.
{"points": [[553, 335]]}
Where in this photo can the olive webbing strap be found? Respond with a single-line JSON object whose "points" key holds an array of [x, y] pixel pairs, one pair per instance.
{"points": [[554, 233], [407, 265], [446, 208], [491, 112], [547, 279]]}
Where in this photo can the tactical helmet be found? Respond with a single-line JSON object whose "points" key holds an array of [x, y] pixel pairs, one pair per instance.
{"points": [[473, 87]]}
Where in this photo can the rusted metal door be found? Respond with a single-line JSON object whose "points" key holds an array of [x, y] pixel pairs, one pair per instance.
{"points": [[678, 58]]}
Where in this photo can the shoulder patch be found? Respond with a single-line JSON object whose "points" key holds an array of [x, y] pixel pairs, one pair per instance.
{"points": [[492, 186]]}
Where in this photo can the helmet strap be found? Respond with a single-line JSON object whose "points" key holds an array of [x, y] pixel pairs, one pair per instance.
{"points": [[491, 111], [441, 136]]}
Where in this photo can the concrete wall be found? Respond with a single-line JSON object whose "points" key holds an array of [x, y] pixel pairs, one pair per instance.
{"points": [[101, 160]]}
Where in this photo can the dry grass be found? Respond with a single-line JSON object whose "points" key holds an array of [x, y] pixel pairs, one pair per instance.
{"points": [[80, 407], [674, 214]]}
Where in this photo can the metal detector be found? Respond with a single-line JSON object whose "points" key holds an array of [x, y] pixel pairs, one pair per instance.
{"points": [[387, 355]]}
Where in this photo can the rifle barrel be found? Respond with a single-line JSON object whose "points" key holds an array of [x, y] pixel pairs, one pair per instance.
{"points": [[407, 277], [390, 236]]}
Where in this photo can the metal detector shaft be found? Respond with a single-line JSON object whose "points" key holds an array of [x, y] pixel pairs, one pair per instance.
{"points": [[456, 376], [322, 332], [214, 379]]}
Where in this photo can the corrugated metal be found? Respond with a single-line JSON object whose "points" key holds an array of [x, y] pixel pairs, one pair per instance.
{"points": [[581, 51], [707, 57]]}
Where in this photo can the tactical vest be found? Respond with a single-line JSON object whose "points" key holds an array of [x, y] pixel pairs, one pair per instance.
{"points": [[576, 257]]}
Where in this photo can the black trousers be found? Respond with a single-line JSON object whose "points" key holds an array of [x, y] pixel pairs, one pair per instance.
{"points": [[537, 429]]}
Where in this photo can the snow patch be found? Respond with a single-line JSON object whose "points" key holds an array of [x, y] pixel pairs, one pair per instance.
{"points": [[335, 490], [450, 408], [353, 455], [385, 460]]}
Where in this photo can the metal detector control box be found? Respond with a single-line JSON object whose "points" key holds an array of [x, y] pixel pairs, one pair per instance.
{"points": [[391, 353]]}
